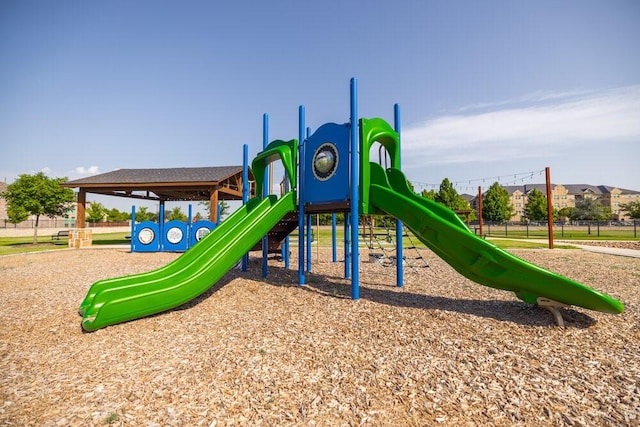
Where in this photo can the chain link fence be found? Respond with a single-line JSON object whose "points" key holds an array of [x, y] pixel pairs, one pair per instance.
{"points": [[615, 230]]}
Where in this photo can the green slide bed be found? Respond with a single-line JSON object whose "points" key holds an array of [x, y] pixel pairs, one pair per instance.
{"points": [[126, 298], [473, 257]]}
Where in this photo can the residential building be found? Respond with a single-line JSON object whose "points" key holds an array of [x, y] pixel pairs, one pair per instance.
{"points": [[567, 195]]}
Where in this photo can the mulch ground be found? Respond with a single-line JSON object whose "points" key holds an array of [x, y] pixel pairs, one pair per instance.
{"points": [[265, 351]]}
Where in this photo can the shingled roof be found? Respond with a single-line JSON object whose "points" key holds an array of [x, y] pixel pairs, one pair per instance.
{"points": [[157, 176], [166, 184]]}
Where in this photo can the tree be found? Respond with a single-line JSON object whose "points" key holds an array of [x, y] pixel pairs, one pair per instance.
{"points": [[143, 214], [633, 208], [429, 194], [176, 214], [536, 209], [495, 204], [565, 213], [37, 195], [449, 197], [115, 215], [224, 208], [590, 209], [95, 212]]}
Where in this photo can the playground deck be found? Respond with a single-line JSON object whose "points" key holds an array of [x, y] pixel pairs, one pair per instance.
{"points": [[252, 351]]}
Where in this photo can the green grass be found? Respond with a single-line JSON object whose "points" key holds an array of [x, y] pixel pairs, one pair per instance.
{"points": [[24, 244], [524, 244], [569, 233], [13, 245], [111, 238]]}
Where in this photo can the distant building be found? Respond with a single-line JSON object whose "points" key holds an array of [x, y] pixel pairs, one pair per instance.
{"points": [[566, 196]]}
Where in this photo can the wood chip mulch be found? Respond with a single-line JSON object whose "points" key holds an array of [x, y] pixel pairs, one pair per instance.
{"points": [[252, 351]]}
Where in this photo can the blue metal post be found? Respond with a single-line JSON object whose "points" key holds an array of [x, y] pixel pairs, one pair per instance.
{"points": [[301, 139], [355, 187], [285, 247], [245, 192], [189, 222], [334, 238], [309, 223], [133, 225], [347, 245], [161, 225], [265, 193], [309, 241], [399, 252]]}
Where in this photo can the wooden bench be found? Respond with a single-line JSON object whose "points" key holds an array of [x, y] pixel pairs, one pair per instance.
{"points": [[60, 234]]}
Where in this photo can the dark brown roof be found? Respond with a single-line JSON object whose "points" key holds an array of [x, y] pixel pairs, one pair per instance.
{"points": [[166, 184], [156, 176]]}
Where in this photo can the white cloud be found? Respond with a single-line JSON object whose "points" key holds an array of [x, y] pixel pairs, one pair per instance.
{"points": [[91, 170], [526, 128]]}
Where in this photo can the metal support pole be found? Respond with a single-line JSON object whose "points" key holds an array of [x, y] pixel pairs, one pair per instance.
{"points": [[334, 238], [245, 192], [355, 187], [399, 249], [265, 193], [301, 149], [347, 245], [309, 241]]}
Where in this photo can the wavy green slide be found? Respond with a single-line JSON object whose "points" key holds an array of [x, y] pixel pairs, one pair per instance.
{"points": [[126, 298], [473, 257]]}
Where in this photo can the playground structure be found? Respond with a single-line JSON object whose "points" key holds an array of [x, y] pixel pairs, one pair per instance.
{"points": [[330, 171]]}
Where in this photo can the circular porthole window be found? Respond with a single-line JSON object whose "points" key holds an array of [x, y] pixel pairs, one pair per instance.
{"points": [[146, 236], [174, 235], [325, 161], [201, 232]]}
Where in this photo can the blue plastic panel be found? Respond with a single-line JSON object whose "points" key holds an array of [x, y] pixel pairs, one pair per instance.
{"points": [[145, 237], [175, 236], [327, 165]]}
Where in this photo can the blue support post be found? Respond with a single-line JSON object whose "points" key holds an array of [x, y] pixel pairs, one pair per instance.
{"points": [[355, 186], [301, 172], [265, 193], [309, 241], [245, 192], [189, 222], [161, 226], [334, 238], [133, 225], [347, 245], [399, 251]]}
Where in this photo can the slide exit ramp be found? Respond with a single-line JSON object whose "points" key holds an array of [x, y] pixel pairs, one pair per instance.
{"points": [[474, 257], [126, 298]]}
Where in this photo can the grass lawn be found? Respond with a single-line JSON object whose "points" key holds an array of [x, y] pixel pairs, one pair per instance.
{"points": [[15, 245]]}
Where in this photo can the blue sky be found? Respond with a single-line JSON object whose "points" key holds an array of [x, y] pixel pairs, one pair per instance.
{"points": [[487, 89]]}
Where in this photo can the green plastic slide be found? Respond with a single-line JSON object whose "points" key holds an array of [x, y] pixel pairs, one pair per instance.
{"points": [[473, 257], [126, 298]]}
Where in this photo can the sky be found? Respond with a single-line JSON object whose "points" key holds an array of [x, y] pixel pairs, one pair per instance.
{"points": [[488, 91]]}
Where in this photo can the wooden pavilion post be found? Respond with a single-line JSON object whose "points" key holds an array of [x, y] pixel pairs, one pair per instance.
{"points": [[213, 199], [81, 208]]}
